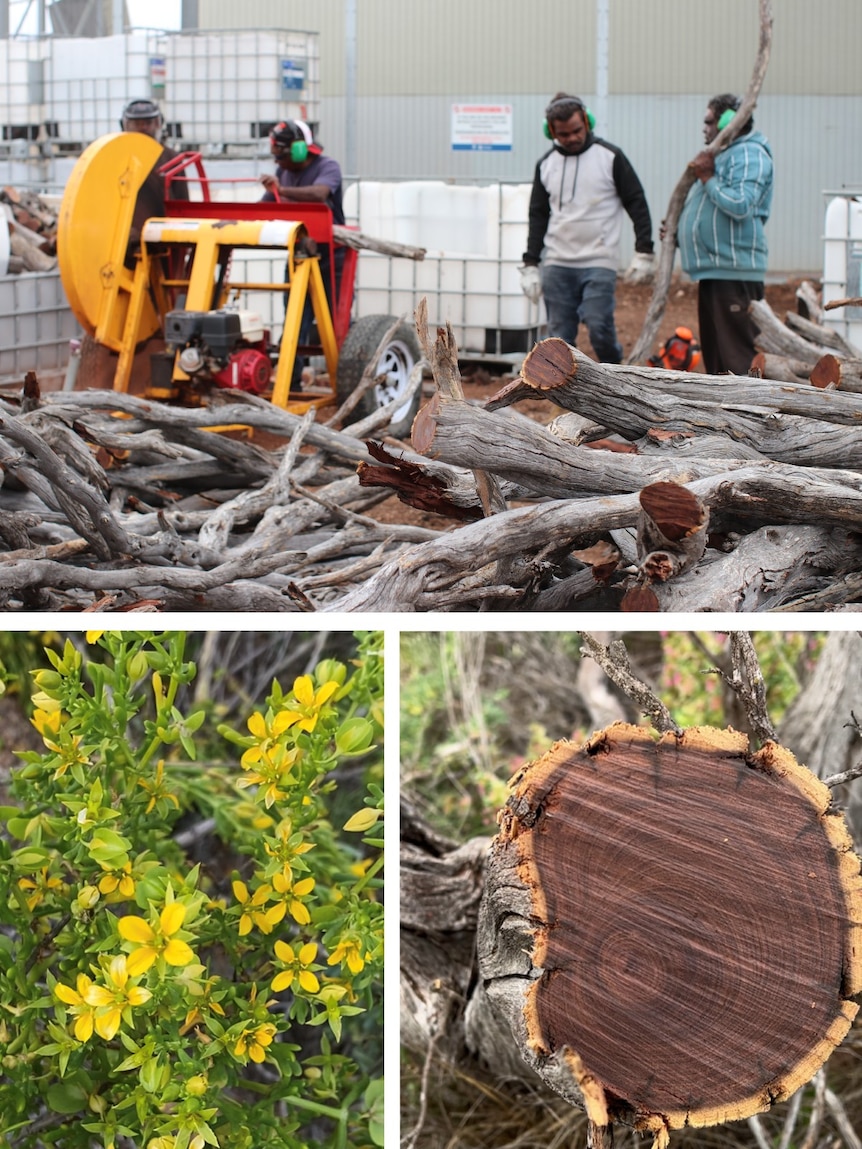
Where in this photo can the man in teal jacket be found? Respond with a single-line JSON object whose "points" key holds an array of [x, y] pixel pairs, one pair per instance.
{"points": [[721, 238]]}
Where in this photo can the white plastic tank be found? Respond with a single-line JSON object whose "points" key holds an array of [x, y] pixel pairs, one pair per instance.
{"points": [[5, 246], [842, 264], [474, 236]]}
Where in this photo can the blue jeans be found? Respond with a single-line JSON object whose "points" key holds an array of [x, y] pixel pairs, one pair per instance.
{"points": [[575, 295]]}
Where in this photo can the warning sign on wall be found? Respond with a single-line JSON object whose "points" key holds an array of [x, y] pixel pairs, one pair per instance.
{"points": [[481, 127]]}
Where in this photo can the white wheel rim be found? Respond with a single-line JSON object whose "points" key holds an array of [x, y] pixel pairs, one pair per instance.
{"points": [[395, 363]]}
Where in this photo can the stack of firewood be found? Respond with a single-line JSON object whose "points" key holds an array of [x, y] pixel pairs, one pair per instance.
{"points": [[804, 349], [32, 224]]}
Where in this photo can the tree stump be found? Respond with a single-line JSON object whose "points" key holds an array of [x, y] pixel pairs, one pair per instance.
{"points": [[672, 927]]}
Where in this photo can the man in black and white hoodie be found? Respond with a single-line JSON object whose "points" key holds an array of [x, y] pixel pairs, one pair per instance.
{"points": [[581, 189]]}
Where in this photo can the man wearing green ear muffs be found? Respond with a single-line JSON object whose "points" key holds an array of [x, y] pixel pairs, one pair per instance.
{"points": [[305, 175], [582, 188], [722, 243]]}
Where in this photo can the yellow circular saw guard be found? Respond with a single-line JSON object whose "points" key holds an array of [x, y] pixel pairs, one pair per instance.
{"points": [[93, 233]]}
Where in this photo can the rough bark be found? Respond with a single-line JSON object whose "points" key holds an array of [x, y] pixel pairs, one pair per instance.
{"points": [[768, 569], [777, 338], [819, 725]]}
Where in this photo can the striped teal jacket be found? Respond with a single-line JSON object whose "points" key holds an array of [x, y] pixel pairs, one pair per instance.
{"points": [[721, 227]]}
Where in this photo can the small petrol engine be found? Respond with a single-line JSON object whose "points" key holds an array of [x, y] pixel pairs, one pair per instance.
{"points": [[228, 347]]}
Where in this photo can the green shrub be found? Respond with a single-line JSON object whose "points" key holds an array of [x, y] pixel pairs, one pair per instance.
{"points": [[154, 999]]}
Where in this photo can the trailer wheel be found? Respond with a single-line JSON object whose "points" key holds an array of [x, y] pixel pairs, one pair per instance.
{"points": [[396, 361]]}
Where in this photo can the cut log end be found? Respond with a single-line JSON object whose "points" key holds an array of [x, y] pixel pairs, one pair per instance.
{"points": [[551, 364], [694, 910]]}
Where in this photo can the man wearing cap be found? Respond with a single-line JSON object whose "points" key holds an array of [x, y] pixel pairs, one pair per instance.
{"points": [[582, 188], [305, 175], [144, 116]]}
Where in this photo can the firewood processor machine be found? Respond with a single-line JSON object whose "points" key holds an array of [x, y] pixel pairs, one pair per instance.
{"points": [[176, 285]]}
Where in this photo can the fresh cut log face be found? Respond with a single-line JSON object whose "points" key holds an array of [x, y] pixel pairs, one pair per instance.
{"points": [[695, 910]]}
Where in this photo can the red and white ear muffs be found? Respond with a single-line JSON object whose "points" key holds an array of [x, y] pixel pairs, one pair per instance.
{"points": [[300, 150], [312, 149]]}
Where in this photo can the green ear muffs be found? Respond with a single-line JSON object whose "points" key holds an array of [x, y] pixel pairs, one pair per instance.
{"points": [[591, 123], [587, 113], [299, 151], [725, 118]]}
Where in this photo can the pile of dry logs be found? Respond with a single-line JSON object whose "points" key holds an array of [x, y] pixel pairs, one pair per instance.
{"points": [[654, 490], [32, 224]]}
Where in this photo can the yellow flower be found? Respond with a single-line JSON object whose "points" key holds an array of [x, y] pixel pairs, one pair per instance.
{"points": [[197, 1142], [121, 880], [290, 893], [190, 980], [41, 885], [148, 943], [296, 965], [349, 951], [309, 702], [114, 1000], [363, 819], [253, 1041], [252, 914], [156, 788], [266, 731], [93, 635], [48, 723], [273, 772], [80, 1007], [289, 846]]}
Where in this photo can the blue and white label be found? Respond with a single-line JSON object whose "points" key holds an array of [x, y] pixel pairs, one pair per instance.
{"points": [[481, 127], [292, 76]]}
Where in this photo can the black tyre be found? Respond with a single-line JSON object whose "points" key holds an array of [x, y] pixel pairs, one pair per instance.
{"points": [[396, 361]]}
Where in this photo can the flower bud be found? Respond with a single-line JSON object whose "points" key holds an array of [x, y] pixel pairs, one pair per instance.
{"points": [[196, 1086], [87, 897]]}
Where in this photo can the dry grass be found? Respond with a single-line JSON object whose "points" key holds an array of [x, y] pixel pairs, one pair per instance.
{"points": [[473, 1109]]}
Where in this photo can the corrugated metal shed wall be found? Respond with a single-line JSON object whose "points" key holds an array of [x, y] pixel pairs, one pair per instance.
{"points": [[666, 58]]}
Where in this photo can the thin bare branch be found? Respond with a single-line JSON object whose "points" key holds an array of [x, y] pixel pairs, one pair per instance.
{"points": [[614, 661], [747, 682]]}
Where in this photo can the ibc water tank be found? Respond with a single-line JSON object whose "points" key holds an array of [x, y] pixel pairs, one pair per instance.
{"points": [[842, 264], [5, 245]]}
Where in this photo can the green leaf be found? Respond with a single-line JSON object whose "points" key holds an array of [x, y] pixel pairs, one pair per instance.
{"points": [[151, 1074], [374, 1105], [112, 856], [18, 827], [194, 721], [30, 858], [66, 1097]]}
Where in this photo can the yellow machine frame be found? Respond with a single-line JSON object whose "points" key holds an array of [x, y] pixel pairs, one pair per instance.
{"points": [[121, 307]]}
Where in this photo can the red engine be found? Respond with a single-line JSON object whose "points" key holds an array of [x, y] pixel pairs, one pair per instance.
{"points": [[247, 370]]}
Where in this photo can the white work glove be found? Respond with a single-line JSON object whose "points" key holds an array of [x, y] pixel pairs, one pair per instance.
{"points": [[531, 282], [642, 268]]}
